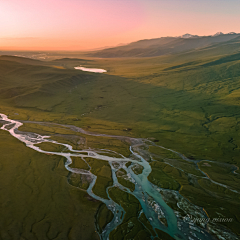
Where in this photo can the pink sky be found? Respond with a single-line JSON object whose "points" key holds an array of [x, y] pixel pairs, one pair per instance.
{"points": [[89, 24]]}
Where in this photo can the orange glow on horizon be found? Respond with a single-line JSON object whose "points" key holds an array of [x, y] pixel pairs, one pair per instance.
{"points": [[75, 25]]}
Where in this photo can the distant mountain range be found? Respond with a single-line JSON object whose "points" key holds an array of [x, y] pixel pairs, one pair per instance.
{"points": [[166, 45], [187, 35]]}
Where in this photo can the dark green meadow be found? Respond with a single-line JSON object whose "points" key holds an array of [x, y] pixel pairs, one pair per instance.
{"points": [[188, 102], [36, 200]]}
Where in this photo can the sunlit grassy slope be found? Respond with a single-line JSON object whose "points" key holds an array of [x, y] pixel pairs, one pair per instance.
{"points": [[187, 102]]}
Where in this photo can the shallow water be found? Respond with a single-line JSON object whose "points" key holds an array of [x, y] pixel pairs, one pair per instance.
{"points": [[149, 196], [95, 70]]}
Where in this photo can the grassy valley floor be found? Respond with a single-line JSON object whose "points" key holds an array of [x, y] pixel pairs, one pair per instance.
{"points": [[186, 102]]}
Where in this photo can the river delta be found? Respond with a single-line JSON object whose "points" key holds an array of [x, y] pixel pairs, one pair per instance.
{"points": [[159, 210]]}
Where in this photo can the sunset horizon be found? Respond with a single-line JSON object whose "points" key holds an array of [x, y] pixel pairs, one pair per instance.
{"points": [[94, 47], [87, 25]]}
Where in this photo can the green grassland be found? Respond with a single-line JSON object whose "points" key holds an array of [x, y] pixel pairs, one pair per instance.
{"points": [[187, 102], [187, 108], [121, 173], [36, 200], [51, 147], [160, 176], [104, 216], [221, 173], [79, 163], [102, 170], [78, 140], [161, 153]]}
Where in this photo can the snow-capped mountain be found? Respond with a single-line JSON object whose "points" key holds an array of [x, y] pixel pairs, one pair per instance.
{"points": [[187, 35], [217, 34]]}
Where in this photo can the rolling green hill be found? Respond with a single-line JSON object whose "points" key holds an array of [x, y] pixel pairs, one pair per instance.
{"points": [[190, 106], [188, 102]]}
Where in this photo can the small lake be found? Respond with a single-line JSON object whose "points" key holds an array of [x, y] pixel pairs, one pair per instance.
{"points": [[95, 70]]}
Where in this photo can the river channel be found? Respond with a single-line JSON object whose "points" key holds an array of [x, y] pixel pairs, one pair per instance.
{"points": [[150, 196]]}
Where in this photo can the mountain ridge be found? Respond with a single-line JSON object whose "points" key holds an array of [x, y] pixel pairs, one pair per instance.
{"points": [[165, 45]]}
